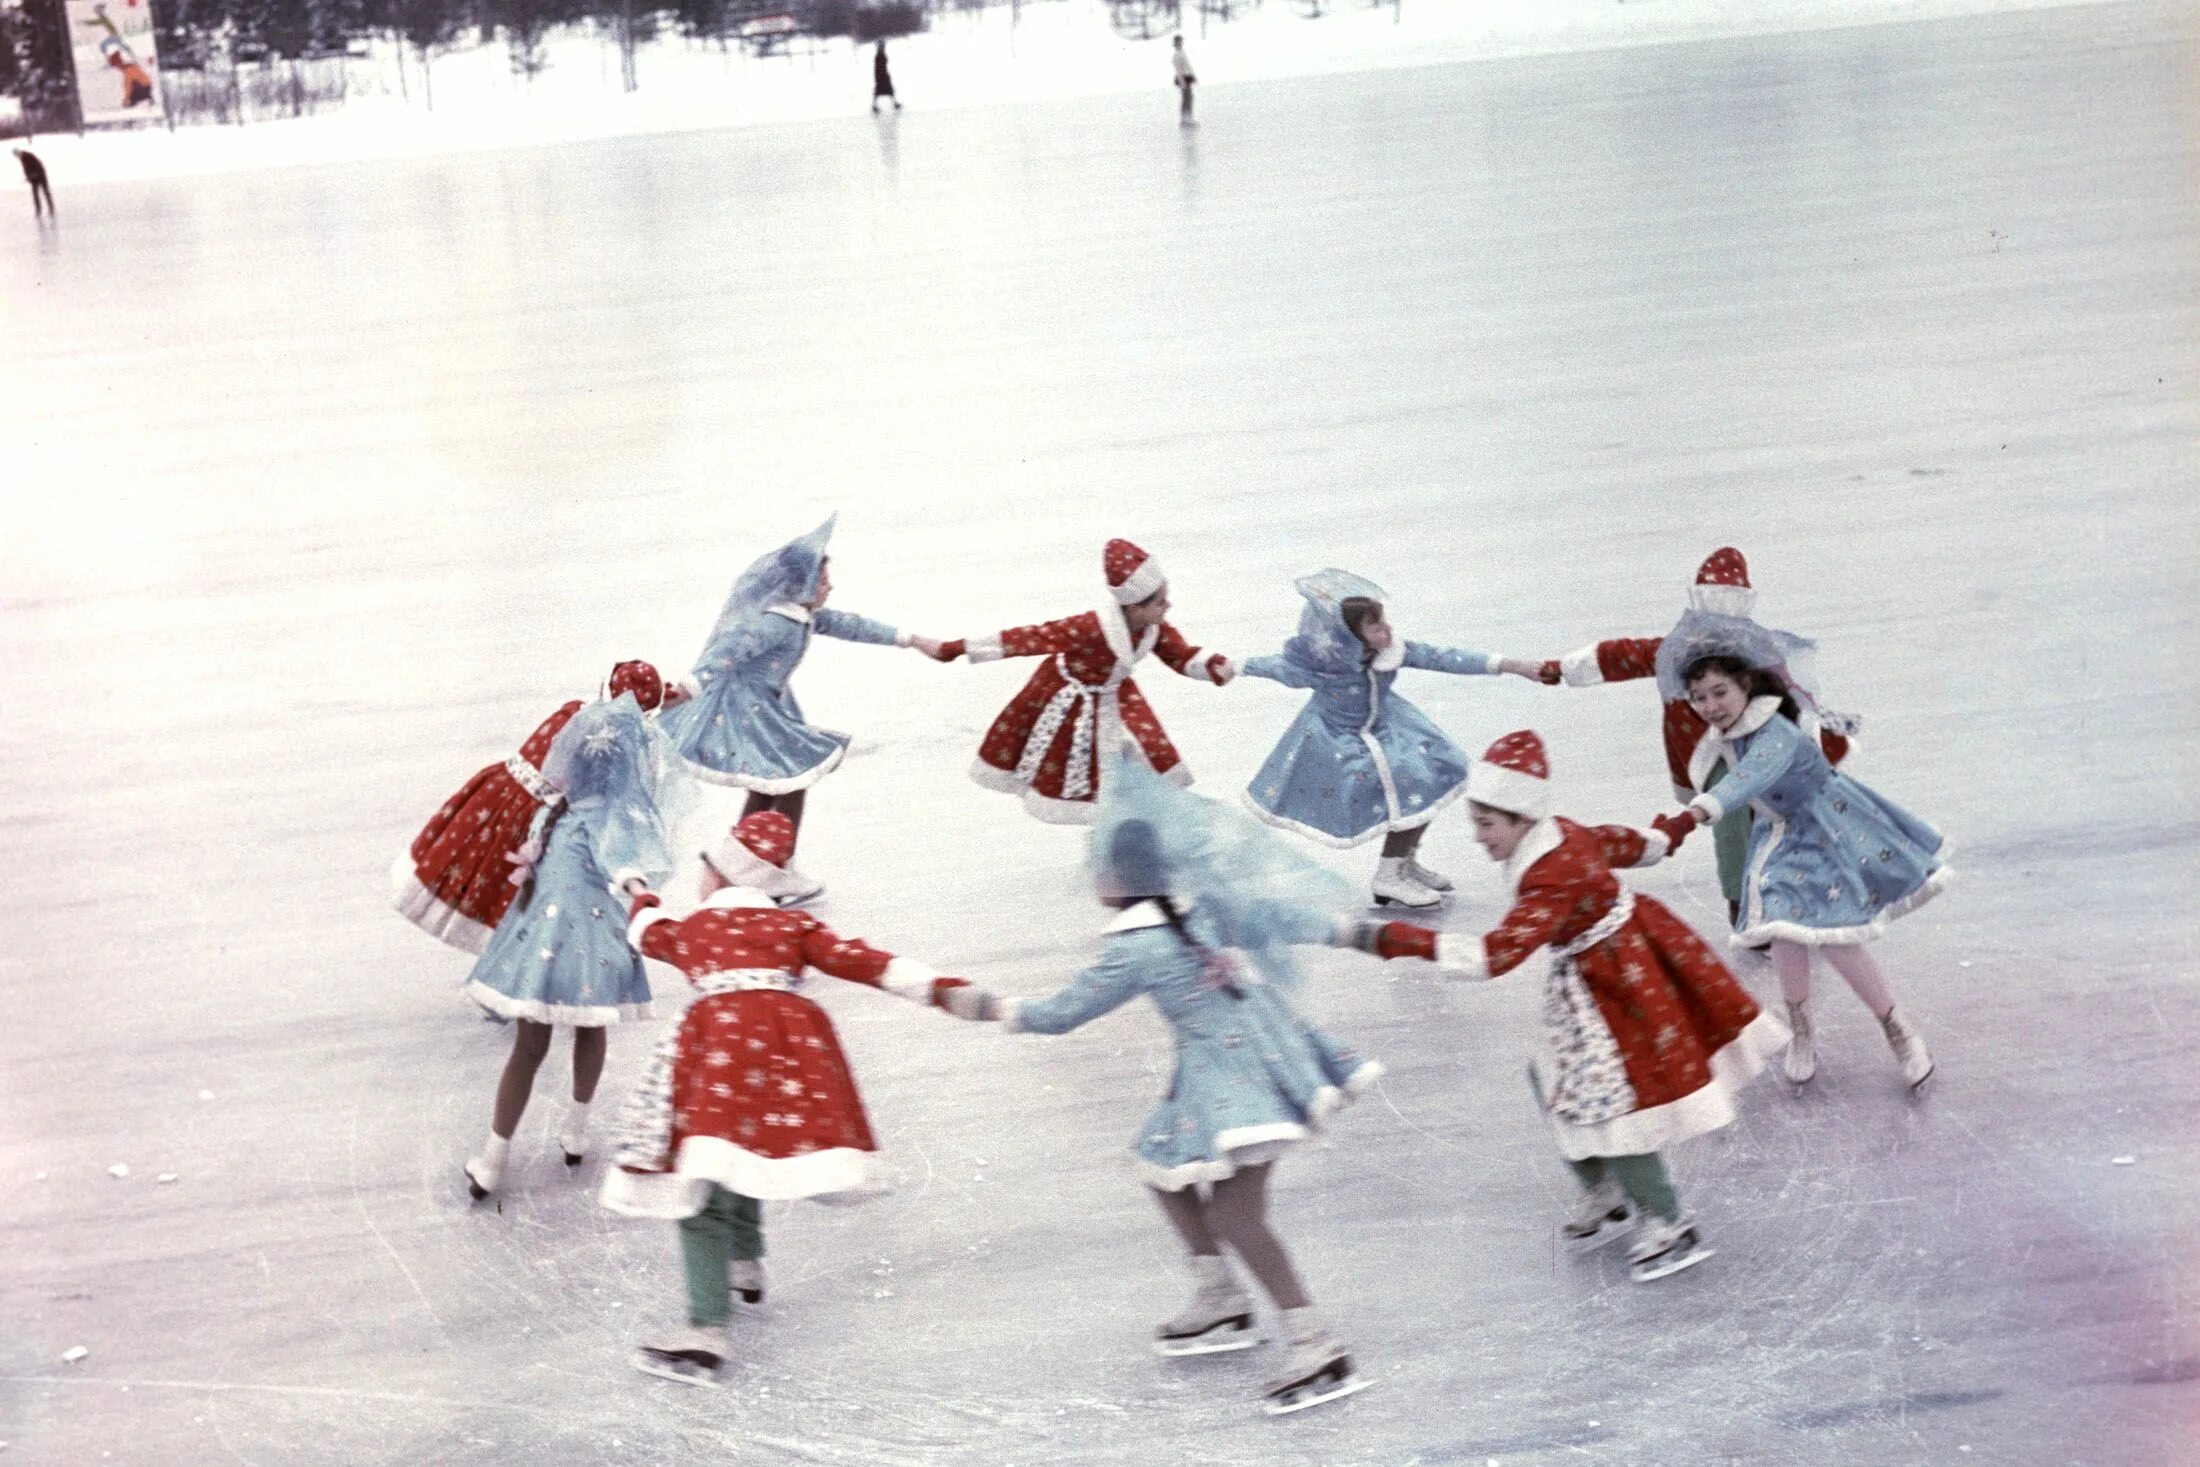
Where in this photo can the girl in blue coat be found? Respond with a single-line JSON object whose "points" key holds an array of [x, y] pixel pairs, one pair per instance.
{"points": [[1208, 907], [1360, 761], [559, 956], [1831, 862], [741, 725]]}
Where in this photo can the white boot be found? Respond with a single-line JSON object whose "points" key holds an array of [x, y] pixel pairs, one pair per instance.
{"points": [[690, 1356], [1663, 1247], [1433, 880], [745, 1276], [1313, 1366], [1601, 1217], [486, 1169], [1909, 1049], [1219, 1318], [1800, 1062], [1393, 887], [573, 1135], [795, 887]]}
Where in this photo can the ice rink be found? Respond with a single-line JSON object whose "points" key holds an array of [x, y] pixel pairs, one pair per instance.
{"points": [[325, 485]]}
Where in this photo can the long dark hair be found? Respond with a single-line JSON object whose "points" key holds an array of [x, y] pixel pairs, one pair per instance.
{"points": [[1357, 612], [1755, 682]]}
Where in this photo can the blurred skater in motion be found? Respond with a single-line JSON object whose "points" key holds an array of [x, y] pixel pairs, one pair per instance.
{"points": [[1719, 607], [1181, 64], [1208, 907], [1831, 862], [455, 882], [1646, 1035], [882, 80], [751, 1097], [741, 725], [34, 174], [560, 958], [1052, 741], [1360, 761]]}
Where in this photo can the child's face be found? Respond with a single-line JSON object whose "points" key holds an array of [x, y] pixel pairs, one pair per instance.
{"points": [[1497, 831], [824, 585], [1717, 699], [1147, 613], [1376, 633]]}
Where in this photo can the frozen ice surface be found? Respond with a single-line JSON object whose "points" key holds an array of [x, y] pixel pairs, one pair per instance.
{"points": [[324, 485]]}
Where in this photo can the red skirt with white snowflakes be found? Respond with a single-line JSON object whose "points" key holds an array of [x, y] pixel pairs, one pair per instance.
{"points": [[752, 1094], [454, 883], [1048, 744]]}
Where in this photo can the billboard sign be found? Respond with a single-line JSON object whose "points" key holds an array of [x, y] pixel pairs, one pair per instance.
{"points": [[112, 43]]}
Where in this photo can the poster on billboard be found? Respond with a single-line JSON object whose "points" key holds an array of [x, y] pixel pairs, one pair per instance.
{"points": [[112, 41]]}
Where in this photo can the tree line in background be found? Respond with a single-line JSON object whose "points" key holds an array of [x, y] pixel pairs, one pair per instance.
{"points": [[224, 60]]}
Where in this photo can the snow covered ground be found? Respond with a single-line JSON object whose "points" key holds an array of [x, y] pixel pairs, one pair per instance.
{"points": [[471, 99], [325, 484]]}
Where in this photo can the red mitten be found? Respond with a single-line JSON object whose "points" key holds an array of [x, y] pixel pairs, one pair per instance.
{"points": [[1674, 828], [949, 651], [1404, 940], [1549, 672], [641, 903], [1219, 670]]}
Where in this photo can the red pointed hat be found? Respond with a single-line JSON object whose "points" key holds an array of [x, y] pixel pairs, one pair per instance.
{"points": [[1513, 774], [766, 836], [640, 679], [1722, 584], [1133, 575]]}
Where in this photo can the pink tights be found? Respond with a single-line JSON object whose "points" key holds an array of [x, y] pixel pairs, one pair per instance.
{"points": [[1853, 961]]}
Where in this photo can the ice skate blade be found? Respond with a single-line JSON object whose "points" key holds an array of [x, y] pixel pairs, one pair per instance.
{"points": [[677, 1368], [1209, 1344], [575, 1158], [1379, 903], [1672, 1263], [1286, 1402], [1917, 1087], [474, 1189], [1599, 1240]]}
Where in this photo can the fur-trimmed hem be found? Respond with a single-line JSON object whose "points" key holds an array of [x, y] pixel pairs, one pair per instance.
{"points": [[1244, 1146], [1047, 808], [764, 786], [1708, 1107], [705, 1161], [1346, 842], [1763, 932], [574, 1016], [431, 914]]}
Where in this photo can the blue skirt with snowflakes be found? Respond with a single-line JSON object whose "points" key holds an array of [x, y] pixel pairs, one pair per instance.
{"points": [[1837, 868], [1343, 787], [752, 736], [560, 954], [1246, 1089]]}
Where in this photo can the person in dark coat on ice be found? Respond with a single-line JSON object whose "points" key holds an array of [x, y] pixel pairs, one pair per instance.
{"points": [[34, 174], [882, 80]]}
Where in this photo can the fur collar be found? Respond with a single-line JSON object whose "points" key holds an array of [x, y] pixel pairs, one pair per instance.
{"points": [[1391, 658], [1754, 717], [1147, 913], [1541, 839], [732, 898], [792, 611], [1116, 632]]}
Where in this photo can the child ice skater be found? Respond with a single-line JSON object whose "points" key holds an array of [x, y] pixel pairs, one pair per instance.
{"points": [[559, 957], [1831, 862], [751, 1097], [1360, 761], [1053, 740], [1207, 906], [1646, 1035], [1719, 608], [455, 881], [741, 725]]}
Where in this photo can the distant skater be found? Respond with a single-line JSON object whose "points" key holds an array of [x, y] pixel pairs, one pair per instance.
{"points": [[1185, 79], [34, 174], [882, 80]]}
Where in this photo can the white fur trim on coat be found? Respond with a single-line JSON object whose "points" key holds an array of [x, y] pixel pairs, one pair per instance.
{"points": [[645, 919], [1706, 1108], [576, 1016], [707, 1159], [1580, 669], [905, 979], [1140, 583], [983, 649], [1723, 600], [430, 913], [1655, 845], [1508, 789], [1758, 933], [1462, 955]]}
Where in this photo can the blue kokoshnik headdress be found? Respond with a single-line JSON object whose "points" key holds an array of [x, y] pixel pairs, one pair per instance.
{"points": [[1792, 659], [625, 782], [1324, 644], [788, 574], [1241, 884]]}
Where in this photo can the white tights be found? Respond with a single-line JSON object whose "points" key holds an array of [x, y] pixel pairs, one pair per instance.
{"points": [[1853, 961]]}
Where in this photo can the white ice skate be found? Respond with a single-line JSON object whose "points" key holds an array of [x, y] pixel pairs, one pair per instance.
{"points": [[1800, 1061], [1311, 1371], [573, 1135], [1433, 880], [745, 1276], [1663, 1247], [1602, 1217], [485, 1169], [1909, 1050], [1395, 887], [691, 1356], [795, 887], [1219, 1319]]}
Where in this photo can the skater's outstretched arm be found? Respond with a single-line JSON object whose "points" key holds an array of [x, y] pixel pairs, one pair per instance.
{"points": [[1040, 639], [1276, 669], [1622, 659], [1770, 753], [1101, 989], [849, 627], [1430, 658], [1534, 920], [856, 961], [1171, 647], [1625, 845]]}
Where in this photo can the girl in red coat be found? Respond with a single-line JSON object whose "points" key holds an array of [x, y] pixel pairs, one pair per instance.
{"points": [[1051, 742], [751, 1096], [1646, 1035], [456, 880]]}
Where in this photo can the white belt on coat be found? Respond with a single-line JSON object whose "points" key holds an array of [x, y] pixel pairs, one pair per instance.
{"points": [[1607, 927], [534, 781], [1084, 733]]}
